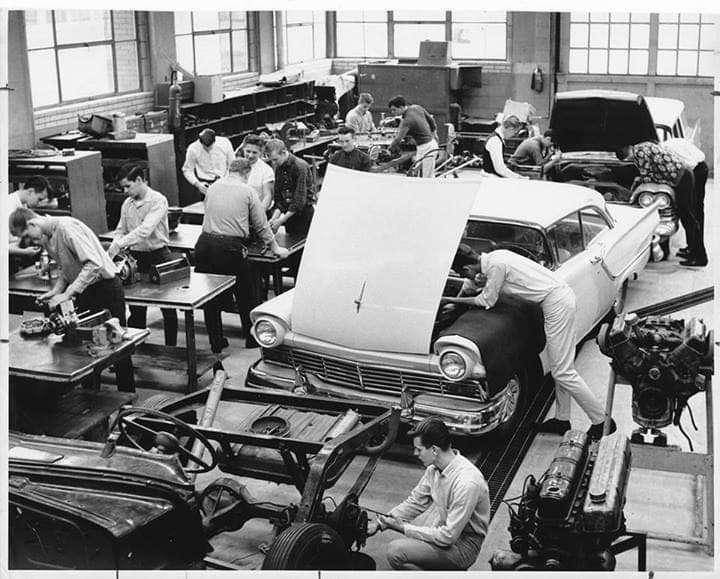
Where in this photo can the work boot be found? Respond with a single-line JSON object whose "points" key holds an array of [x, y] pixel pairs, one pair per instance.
{"points": [[554, 426], [595, 432]]}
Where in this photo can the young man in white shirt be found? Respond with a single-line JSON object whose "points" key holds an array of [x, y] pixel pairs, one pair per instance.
{"points": [[493, 154], [262, 176], [207, 160]]}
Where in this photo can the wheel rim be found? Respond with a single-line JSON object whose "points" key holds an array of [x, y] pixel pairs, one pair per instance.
{"points": [[512, 397]]}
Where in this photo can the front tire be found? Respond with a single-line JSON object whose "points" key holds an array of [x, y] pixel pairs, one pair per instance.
{"points": [[515, 406]]}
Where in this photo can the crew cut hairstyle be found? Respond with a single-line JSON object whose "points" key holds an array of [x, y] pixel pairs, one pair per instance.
{"points": [[345, 130], [39, 183], [366, 97], [511, 122], [465, 255], [397, 101], [432, 431], [18, 220], [275, 146], [256, 140], [131, 171]]}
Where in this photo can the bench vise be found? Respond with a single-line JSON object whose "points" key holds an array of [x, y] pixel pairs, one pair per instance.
{"points": [[170, 270]]}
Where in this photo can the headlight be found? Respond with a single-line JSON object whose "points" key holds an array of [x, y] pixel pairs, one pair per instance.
{"points": [[645, 199], [266, 333], [664, 200], [453, 365]]}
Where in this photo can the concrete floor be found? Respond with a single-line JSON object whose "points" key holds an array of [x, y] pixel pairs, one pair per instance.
{"points": [[657, 503]]}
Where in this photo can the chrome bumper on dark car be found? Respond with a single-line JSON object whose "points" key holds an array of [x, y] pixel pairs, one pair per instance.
{"points": [[464, 415]]}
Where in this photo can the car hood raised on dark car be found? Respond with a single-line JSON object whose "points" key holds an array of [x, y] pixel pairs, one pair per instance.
{"points": [[600, 120]]}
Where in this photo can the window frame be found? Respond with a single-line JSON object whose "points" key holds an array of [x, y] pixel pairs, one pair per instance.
{"points": [[214, 32], [312, 24], [111, 42], [597, 212]]}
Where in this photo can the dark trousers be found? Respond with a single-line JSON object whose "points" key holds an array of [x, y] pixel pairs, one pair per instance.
{"points": [[686, 208], [109, 294], [138, 314], [700, 173], [300, 222], [226, 255]]}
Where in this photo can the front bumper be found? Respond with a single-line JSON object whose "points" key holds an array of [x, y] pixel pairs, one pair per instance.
{"points": [[464, 416]]}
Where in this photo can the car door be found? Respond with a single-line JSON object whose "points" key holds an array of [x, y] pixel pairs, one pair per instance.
{"points": [[596, 227], [576, 268]]}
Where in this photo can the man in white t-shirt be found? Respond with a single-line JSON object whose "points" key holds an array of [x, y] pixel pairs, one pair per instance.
{"points": [[207, 160], [262, 176]]}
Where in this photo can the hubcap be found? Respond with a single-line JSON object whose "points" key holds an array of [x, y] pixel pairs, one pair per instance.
{"points": [[512, 395]]}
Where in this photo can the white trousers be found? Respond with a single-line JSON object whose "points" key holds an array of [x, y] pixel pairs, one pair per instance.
{"points": [[559, 311], [428, 165]]}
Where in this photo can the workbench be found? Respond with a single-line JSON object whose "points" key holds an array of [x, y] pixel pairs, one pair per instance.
{"points": [[186, 295]]}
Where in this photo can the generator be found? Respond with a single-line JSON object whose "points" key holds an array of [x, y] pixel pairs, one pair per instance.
{"points": [[569, 519]]}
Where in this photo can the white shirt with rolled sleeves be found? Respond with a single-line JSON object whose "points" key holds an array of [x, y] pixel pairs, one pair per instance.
{"points": [[143, 224], [260, 174], [209, 165], [688, 153], [360, 122], [460, 501], [512, 274]]}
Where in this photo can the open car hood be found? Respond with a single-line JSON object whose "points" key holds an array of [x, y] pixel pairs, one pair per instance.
{"points": [[600, 120], [377, 258]]}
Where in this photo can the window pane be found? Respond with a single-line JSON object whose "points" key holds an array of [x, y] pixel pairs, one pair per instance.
{"points": [[579, 16], [618, 63], [368, 40], [124, 22], [687, 62], [689, 36], [478, 41], [599, 16], [319, 35], [619, 17], [599, 35], [128, 76], [203, 21], [299, 44], [349, 15], [690, 17], [579, 35], [665, 17], [43, 77], [598, 62], [73, 26], [184, 51], [667, 36], [419, 15], [212, 53], [478, 16], [638, 62], [408, 37], [298, 16], [86, 71], [666, 62], [240, 51], [619, 35], [38, 28], [640, 36], [640, 17], [705, 67], [239, 20], [183, 25], [578, 61], [707, 37]]}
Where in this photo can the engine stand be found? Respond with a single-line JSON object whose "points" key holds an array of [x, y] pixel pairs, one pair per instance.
{"points": [[672, 459]]}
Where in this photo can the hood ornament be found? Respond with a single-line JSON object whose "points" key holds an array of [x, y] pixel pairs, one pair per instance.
{"points": [[358, 301]]}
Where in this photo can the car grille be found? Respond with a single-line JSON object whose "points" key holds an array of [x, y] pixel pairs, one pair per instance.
{"points": [[354, 375]]}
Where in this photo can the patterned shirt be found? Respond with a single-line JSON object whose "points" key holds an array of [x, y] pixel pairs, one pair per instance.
{"points": [[656, 165], [208, 165], [293, 185], [78, 252], [459, 498], [143, 224]]}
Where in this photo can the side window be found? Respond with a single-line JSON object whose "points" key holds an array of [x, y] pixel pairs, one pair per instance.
{"points": [[678, 129], [567, 237], [593, 224]]}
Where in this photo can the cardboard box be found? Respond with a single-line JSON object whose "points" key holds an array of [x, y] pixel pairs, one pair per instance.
{"points": [[208, 89], [435, 53]]}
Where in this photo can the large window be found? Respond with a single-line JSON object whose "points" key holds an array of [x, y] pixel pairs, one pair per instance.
{"points": [[78, 54], [621, 43], [361, 34], [304, 35], [212, 42]]}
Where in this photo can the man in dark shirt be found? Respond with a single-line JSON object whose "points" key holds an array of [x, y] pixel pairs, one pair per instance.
{"points": [[294, 196], [349, 156], [418, 124], [536, 151]]}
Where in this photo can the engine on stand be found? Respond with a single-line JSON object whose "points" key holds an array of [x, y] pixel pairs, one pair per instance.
{"points": [[666, 361], [570, 518]]}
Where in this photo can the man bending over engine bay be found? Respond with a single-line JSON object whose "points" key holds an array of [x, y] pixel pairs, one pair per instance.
{"points": [[503, 271], [453, 499]]}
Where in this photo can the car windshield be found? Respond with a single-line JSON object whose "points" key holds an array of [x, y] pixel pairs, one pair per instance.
{"points": [[484, 236]]}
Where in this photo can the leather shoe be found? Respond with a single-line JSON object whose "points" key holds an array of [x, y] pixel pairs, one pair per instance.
{"points": [[554, 426], [595, 432], [683, 252], [694, 262]]}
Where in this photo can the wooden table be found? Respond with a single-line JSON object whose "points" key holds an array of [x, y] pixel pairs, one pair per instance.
{"points": [[185, 294], [184, 238]]}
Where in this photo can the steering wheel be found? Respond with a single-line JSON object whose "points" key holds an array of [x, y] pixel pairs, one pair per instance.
{"points": [[124, 423]]}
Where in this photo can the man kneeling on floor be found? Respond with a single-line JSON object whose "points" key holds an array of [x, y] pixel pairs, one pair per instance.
{"points": [[453, 500]]}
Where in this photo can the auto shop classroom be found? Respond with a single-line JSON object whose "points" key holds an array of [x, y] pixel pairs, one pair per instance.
{"points": [[326, 290]]}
